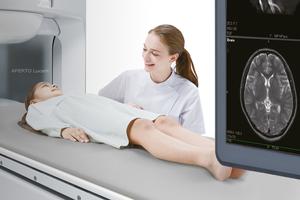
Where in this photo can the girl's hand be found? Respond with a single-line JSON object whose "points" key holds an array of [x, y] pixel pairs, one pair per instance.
{"points": [[74, 134], [135, 106]]}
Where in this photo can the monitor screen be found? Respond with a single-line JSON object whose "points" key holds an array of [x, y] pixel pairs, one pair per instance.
{"points": [[263, 63]]}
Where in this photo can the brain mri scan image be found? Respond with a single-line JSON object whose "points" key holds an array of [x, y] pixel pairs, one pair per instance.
{"points": [[268, 95], [262, 66], [275, 6]]}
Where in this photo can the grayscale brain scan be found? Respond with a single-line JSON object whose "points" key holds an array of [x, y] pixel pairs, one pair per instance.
{"points": [[268, 95], [262, 64]]}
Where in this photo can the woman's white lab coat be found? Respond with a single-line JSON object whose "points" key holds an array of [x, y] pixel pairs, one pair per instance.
{"points": [[176, 97]]}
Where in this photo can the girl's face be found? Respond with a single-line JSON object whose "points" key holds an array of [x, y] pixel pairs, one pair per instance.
{"points": [[45, 91], [156, 54]]}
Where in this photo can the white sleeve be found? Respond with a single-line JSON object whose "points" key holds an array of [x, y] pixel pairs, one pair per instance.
{"points": [[44, 123], [115, 89], [191, 117], [52, 132]]}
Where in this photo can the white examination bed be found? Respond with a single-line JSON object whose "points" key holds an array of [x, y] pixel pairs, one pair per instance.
{"points": [[97, 171]]}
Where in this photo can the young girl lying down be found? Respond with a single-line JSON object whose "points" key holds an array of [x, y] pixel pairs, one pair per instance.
{"points": [[96, 118]]}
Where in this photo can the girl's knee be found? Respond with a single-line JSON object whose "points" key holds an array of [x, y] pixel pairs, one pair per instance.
{"points": [[143, 124], [165, 121], [138, 130]]}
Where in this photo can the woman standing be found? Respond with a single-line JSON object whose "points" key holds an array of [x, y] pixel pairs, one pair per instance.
{"points": [[160, 88]]}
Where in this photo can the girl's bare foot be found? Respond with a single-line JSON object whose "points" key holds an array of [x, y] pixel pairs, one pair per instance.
{"points": [[237, 173], [219, 171]]}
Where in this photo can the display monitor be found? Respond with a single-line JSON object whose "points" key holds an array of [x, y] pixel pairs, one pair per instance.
{"points": [[257, 91]]}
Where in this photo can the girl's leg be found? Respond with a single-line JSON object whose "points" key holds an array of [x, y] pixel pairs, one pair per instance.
{"points": [[172, 128], [143, 132]]}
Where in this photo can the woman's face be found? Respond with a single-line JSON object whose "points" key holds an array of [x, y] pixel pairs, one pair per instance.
{"points": [[45, 91], [156, 54]]}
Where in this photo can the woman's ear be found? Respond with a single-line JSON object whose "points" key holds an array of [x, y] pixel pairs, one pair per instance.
{"points": [[174, 57]]}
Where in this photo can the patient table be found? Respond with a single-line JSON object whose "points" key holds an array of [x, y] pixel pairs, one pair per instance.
{"points": [[58, 169]]}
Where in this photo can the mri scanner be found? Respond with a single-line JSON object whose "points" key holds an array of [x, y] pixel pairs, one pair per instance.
{"points": [[44, 40]]}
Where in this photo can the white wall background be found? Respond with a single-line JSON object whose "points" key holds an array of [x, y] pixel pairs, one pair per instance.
{"points": [[116, 30]]}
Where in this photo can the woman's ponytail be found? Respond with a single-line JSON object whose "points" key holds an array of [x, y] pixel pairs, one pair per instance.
{"points": [[185, 67]]}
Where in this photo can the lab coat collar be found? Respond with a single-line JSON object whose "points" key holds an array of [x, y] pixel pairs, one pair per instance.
{"points": [[167, 82]]}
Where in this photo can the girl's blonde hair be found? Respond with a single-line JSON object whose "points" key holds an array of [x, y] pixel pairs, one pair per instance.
{"points": [[30, 95], [28, 99]]}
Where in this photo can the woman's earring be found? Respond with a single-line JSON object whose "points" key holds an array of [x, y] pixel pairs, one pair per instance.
{"points": [[173, 64]]}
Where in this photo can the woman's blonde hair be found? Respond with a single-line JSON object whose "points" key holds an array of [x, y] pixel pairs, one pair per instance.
{"points": [[174, 40]]}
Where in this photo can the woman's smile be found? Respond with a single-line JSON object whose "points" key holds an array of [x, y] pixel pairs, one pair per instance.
{"points": [[149, 65]]}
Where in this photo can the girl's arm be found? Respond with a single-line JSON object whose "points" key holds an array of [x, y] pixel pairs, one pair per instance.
{"points": [[53, 127], [74, 134], [44, 123]]}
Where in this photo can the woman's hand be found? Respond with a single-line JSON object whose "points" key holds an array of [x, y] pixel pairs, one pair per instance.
{"points": [[74, 134], [135, 106]]}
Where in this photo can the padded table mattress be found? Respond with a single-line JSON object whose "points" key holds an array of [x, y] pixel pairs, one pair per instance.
{"points": [[131, 172]]}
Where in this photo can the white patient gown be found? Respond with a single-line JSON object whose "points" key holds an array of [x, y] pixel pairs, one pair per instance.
{"points": [[103, 119]]}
